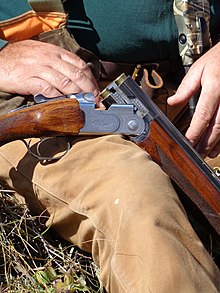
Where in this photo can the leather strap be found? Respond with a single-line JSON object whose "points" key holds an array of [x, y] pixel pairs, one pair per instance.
{"points": [[111, 70], [146, 74]]}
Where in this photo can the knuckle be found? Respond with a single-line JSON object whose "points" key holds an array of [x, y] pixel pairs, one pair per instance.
{"points": [[65, 82], [78, 74], [186, 86], [217, 127], [45, 89], [82, 65], [204, 114], [195, 135]]}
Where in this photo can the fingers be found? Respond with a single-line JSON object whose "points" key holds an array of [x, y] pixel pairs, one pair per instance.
{"points": [[209, 144], [44, 68], [66, 81], [79, 77], [204, 112], [36, 85], [204, 130], [78, 62], [188, 87]]}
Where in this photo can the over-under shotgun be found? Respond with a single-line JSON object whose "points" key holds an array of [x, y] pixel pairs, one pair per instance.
{"points": [[130, 112]]}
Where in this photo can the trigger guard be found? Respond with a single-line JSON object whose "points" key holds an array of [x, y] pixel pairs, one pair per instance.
{"points": [[38, 154]]}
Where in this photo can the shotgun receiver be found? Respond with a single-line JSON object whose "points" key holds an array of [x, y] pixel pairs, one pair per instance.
{"points": [[129, 111]]}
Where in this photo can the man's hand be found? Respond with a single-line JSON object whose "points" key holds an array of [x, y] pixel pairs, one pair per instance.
{"points": [[204, 130], [32, 67]]}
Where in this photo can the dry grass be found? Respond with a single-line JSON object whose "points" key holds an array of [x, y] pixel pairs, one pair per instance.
{"points": [[34, 259]]}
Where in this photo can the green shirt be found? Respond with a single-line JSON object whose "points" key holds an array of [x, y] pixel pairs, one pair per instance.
{"points": [[132, 31], [123, 31], [10, 9], [129, 31]]}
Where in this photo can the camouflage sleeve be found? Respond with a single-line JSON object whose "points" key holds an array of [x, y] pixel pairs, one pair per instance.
{"points": [[192, 18]]}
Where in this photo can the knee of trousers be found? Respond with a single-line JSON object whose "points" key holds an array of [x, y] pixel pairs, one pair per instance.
{"points": [[96, 173], [105, 170]]}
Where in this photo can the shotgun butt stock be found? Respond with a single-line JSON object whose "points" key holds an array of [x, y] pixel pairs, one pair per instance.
{"points": [[60, 117]]}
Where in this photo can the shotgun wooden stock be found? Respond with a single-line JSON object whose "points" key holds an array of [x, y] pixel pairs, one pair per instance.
{"points": [[60, 117]]}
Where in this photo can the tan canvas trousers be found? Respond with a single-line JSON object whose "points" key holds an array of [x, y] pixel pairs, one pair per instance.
{"points": [[109, 198]]}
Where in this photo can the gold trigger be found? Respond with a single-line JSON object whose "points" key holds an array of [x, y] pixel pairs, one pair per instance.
{"points": [[136, 70]]}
